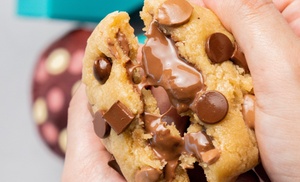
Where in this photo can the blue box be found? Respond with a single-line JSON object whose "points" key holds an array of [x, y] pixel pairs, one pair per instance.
{"points": [[80, 10]]}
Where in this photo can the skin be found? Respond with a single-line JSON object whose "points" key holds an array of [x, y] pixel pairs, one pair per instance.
{"points": [[268, 33]]}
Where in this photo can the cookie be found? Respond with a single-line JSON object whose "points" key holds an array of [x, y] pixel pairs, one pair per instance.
{"points": [[179, 107], [56, 76]]}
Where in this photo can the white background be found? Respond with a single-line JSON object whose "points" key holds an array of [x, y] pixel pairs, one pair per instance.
{"points": [[23, 155]]}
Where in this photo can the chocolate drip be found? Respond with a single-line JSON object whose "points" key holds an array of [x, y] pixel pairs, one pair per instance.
{"points": [[169, 147], [165, 68]]}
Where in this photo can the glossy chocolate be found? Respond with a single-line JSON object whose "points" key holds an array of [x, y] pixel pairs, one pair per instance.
{"points": [[211, 107], [219, 48], [147, 174], [169, 147], [168, 112], [101, 127], [174, 12], [172, 117], [248, 110], [166, 146], [118, 117], [102, 69], [165, 68], [238, 57], [197, 143], [123, 42]]}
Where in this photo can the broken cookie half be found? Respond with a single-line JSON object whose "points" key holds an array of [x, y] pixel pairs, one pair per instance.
{"points": [[181, 105]]}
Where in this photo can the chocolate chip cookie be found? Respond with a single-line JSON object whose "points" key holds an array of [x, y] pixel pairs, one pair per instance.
{"points": [[178, 107]]}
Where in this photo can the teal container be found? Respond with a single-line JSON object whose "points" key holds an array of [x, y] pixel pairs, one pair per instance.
{"points": [[79, 10]]}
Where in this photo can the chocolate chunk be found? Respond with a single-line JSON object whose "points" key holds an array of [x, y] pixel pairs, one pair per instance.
{"points": [[123, 43], [211, 107], [102, 69], [181, 122], [169, 113], [249, 176], [239, 59], [118, 117], [113, 164], [248, 110], [219, 48], [147, 174], [174, 12], [101, 127]]}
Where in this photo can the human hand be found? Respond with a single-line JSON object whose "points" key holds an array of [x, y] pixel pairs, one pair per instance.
{"points": [[86, 157], [269, 40]]}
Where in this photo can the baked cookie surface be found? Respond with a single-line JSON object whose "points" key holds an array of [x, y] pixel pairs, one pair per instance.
{"points": [[181, 105]]}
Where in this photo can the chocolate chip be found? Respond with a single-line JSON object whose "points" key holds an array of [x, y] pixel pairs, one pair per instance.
{"points": [[118, 117], [239, 59], [219, 48], [113, 164], [211, 107], [102, 69], [174, 12], [101, 127]]}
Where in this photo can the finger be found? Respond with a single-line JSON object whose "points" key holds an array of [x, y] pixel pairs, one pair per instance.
{"points": [[80, 126], [292, 14], [259, 28], [86, 157], [197, 2], [282, 4]]}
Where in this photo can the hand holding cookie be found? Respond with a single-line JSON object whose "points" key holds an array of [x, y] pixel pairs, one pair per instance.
{"points": [[270, 56]]}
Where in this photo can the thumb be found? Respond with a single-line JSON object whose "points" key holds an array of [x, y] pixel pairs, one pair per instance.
{"points": [[271, 49], [270, 45]]}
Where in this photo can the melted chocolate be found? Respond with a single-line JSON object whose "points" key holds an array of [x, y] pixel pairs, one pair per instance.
{"points": [[123, 42], [197, 143], [169, 147], [165, 68], [147, 174]]}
